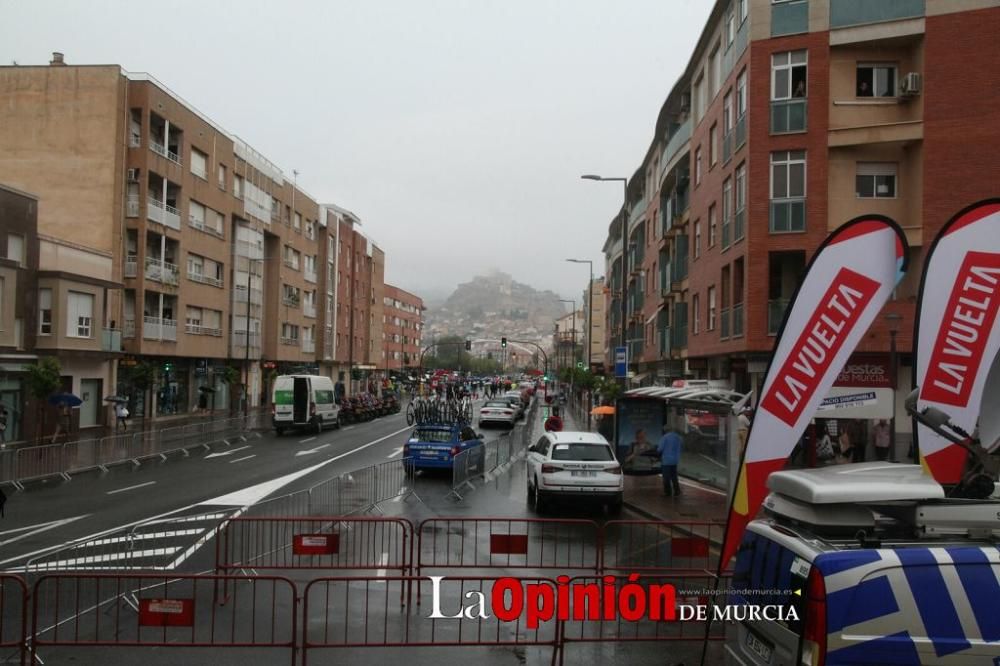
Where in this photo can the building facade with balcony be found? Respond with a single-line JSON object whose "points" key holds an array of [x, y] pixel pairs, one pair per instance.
{"points": [[802, 115], [404, 321], [594, 333]]}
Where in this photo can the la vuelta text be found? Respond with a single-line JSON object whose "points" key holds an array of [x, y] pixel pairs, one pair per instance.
{"points": [[512, 599]]}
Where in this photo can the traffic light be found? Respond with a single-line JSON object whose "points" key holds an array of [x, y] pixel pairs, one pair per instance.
{"points": [[468, 345], [503, 342]]}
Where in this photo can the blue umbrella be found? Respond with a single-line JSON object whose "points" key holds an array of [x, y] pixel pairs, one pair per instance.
{"points": [[67, 399]]}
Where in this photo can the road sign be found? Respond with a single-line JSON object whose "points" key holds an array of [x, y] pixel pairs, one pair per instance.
{"points": [[621, 361]]}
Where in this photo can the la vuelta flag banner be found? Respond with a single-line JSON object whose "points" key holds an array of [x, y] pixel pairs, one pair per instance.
{"points": [[957, 337], [847, 282]]}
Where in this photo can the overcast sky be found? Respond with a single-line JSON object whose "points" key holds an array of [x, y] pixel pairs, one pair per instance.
{"points": [[456, 130]]}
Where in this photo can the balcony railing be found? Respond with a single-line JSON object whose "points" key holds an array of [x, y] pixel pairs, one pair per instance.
{"points": [[111, 340], [154, 210], [724, 321], [131, 266], [309, 310], [199, 224], [291, 342], [162, 151], [247, 249], [134, 140], [739, 224], [776, 314], [204, 279], [240, 295], [292, 302], [238, 339], [309, 346], [740, 132], [162, 272], [738, 320], [128, 327], [727, 146], [309, 276], [727, 235], [155, 328], [196, 329], [788, 115], [132, 207], [171, 217]]}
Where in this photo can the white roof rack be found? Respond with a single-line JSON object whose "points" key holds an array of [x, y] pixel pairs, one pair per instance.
{"points": [[860, 482]]}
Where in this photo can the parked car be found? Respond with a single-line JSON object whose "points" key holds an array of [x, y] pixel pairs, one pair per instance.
{"points": [[574, 465], [497, 411], [515, 403], [303, 402]]}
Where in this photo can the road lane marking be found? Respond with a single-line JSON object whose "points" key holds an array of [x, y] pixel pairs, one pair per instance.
{"points": [[226, 453], [395, 452], [112, 557], [144, 536], [37, 528], [139, 485], [382, 561], [307, 439], [252, 455], [313, 450], [348, 428]]}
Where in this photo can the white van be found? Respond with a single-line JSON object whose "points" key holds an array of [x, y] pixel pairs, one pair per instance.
{"points": [[304, 402]]}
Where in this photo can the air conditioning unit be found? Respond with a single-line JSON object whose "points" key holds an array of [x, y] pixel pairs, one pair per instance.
{"points": [[133, 175], [910, 85]]}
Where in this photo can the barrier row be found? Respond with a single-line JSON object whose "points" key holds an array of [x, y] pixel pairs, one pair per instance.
{"points": [[467, 545], [112, 612], [30, 463], [493, 456]]}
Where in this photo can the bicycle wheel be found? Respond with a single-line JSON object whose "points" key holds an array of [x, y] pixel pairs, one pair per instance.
{"points": [[411, 414]]}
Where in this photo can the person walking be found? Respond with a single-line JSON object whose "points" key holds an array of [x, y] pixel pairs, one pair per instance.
{"points": [[882, 440], [669, 449], [846, 443], [121, 412]]}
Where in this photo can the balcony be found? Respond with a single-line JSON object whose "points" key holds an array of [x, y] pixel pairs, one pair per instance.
{"points": [[238, 339], [289, 342], [162, 272], [776, 314], [128, 327], [290, 301], [134, 140], [856, 12], [788, 115], [164, 214], [738, 320], [195, 329], [111, 340], [249, 250], [309, 275], [309, 310], [199, 224], [162, 151], [740, 131], [204, 279], [240, 295], [132, 206], [131, 266], [309, 346], [155, 328], [739, 224]]}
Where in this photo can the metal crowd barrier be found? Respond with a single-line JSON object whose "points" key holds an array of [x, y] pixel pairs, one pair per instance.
{"points": [[494, 457], [29, 463], [13, 617], [652, 546]]}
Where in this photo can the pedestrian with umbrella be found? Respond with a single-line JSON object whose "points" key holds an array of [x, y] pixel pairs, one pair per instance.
{"points": [[121, 410], [65, 402]]}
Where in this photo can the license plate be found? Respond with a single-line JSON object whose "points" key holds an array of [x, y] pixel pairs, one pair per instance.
{"points": [[582, 472], [759, 647]]}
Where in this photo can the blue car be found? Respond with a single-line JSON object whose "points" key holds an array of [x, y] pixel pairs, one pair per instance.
{"points": [[434, 446]]}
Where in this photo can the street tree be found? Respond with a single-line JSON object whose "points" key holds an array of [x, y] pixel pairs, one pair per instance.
{"points": [[41, 380]]}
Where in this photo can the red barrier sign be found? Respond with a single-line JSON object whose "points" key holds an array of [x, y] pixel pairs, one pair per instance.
{"points": [[509, 544], [166, 612], [316, 544]]}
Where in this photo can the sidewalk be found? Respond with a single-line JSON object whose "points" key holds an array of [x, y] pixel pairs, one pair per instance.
{"points": [[644, 496]]}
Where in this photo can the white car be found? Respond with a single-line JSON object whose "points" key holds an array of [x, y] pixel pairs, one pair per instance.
{"points": [[574, 465], [515, 402], [497, 411]]}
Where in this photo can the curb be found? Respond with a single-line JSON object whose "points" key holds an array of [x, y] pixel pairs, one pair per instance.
{"points": [[648, 515]]}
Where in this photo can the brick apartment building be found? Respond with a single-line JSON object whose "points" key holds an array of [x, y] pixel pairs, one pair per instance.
{"points": [[791, 118], [403, 326], [190, 249]]}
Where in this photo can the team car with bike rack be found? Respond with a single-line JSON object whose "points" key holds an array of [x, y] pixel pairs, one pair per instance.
{"points": [[443, 431]]}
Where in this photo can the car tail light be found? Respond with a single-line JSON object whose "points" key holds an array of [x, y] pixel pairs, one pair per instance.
{"points": [[615, 469], [455, 450], [312, 409], [552, 469], [814, 633]]}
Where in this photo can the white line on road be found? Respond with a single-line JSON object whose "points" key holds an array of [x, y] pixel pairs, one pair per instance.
{"points": [[307, 439], [252, 455], [112, 557], [139, 485], [313, 450], [31, 530], [226, 453], [141, 536], [382, 561], [348, 427], [395, 452]]}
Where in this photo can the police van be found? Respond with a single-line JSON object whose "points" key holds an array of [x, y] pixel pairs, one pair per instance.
{"points": [[879, 567]]}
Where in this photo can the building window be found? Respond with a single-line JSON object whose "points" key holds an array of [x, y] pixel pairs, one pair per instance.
{"points": [[199, 163], [711, 309], [291, 257], [788, 191], [788, 75], [45, 312], [727, 113], [310, 230], [290, 295], [727, 212], [697, 239], [739, 225], [80, 312], [697, 166], [731, 26], [876, 80], [297, 224], [875, 180], [712, 225], [15, 249], [222, 176], [741, 94], [742, 10], [715, 65], [713, 145], [696, 310], [238, 187]]}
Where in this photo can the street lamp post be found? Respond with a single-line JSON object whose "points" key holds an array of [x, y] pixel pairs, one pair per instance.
{"points": [[624, 271], [590, 330], [893, 319]]}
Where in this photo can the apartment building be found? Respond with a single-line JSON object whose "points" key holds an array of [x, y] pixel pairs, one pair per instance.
{"points": [[594, 338], [791, 118], [567, 339], [402, 329], [190, 249]]}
